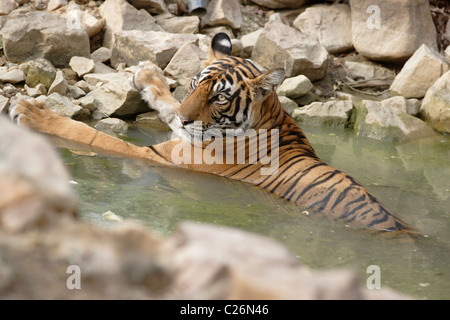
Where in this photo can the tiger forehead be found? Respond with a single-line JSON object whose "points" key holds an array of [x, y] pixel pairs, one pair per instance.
{"points": [[228, 67]]}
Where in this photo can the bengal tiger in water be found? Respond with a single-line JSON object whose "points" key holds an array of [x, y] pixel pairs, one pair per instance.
{"points": [[230, 96]]}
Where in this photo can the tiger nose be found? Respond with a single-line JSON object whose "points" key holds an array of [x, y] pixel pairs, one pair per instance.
{"points": [[184, 121]]}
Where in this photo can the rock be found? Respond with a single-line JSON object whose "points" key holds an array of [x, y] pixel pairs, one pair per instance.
{"points": [[295, 87], [333, 113], [368, 70], [435, 108], [74, 92], [280, 4], [153, 6], [223, 12], [388, 123], [34, 182], [117, 99], [288, 104], [134, 46], [248, 42], [36, 34], [62, 105], [280, 46], [9, 90], [112, 124], [82, 65], [102, 68], [90, 24], [102, 54], [81, 19], [384, 38], [4, 101], [409, 106], [88, 102], [83, 85], [56, 4], [186, 63], [120, 15], [6, 6], [97, 79], [447, 54], [187, 24], [330, 25], [59, 85], [12, 75], [40, 71], [38, 90], [152, 119], [236, 47], [419, 73]]}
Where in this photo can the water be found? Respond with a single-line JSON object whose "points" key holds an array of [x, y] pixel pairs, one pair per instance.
{"points": [[411, 179]]}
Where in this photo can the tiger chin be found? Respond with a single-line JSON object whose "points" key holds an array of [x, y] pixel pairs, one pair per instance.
{"points": [[231, 124]]}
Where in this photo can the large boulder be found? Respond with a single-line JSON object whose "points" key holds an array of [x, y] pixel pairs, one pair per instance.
{"points": [[419, 73], [36, 34], [387, 122], [280, 46], [120, 15], [186, 63], [223, 12], [391, 30], [134, 46], [435, 108], [332, 114], [330, 25]]}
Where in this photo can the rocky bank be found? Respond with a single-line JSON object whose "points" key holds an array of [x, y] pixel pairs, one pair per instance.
{"points": [[382, 70]]}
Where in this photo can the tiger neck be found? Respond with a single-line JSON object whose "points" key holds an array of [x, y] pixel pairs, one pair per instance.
{"points": [[271, 115]]}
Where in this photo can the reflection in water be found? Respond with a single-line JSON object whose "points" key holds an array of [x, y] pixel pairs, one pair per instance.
{"points": [[411, 179]]}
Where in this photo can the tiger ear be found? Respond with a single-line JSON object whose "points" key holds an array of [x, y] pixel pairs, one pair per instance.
{"points": [[220, 48], [266, 83]]}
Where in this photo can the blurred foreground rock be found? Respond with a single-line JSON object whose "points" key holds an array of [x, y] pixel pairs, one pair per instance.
{"points": [[40, 241]]}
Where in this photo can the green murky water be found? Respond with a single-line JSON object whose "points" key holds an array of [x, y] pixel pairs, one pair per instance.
{"points": [[411, 179]]}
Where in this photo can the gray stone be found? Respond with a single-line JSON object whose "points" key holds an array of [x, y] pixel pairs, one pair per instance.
{"points": [[40, 71], [368, 70], [187, 24], [330, 25], [288, 104], [223, 12], [4, 101], [102, 68], [153, 6], [134, 46], [59, 85], [117, 98], [82, 65], [83, 85], [38, 90], [280, 46], [6, 6], [391, 30], [186, 63], [36, 34], [63, 105], [120, 15], [96, 79], [112, 124], [11, 75], [102, 54], [249, 41], [419, 73], [56, 4], [447, 54], [388, 123], [88, 102], [75, 92], [435, 108], [333, 113], [409, 106], [295, 87]]}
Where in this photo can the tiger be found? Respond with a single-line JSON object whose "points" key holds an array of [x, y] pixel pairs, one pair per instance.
{"points": [[230, 96]]}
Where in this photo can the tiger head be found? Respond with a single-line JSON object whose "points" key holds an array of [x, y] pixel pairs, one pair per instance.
{"points": [[227, 95]]}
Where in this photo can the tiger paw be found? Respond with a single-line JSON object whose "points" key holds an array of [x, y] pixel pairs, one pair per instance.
{"points": [[150, 81], [32, 114]]}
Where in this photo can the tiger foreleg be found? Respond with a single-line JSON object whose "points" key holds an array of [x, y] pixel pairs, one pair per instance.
{"points": [[36, 116], [150, 81]]}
